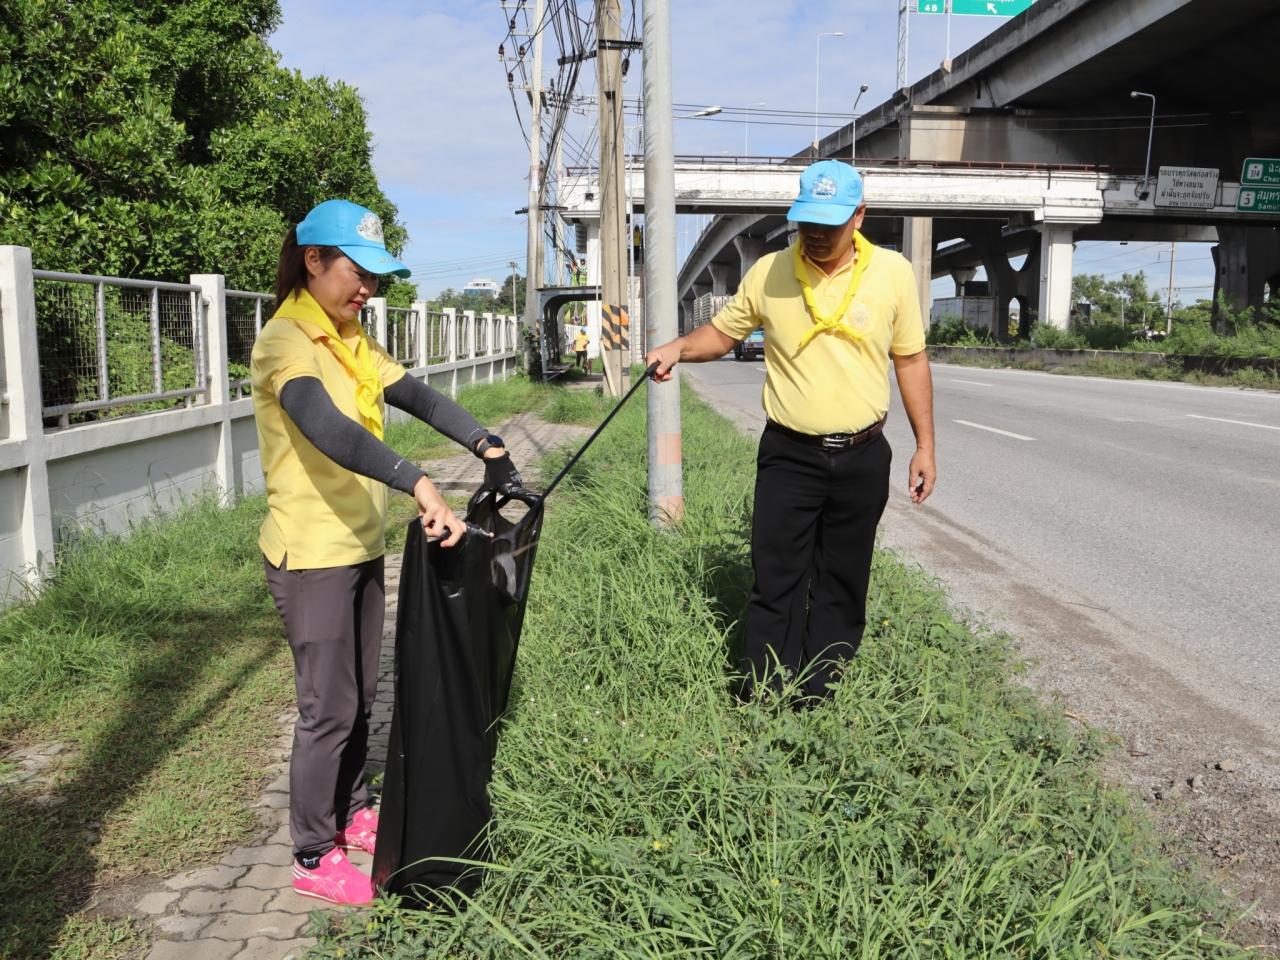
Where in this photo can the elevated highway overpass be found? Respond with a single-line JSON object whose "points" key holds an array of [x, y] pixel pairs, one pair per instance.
{"points": [[1045, 101], [994, 210]]}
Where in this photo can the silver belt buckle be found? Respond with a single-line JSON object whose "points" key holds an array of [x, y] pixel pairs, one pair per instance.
{"points": [[836, 441]]}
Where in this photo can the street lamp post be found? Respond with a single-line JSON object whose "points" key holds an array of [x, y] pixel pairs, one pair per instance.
{"points": [[746, 129], [853, 135], [817, 79], [1144, 191]]}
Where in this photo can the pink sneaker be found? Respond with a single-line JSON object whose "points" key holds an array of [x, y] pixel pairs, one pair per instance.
{"points": [[334, 879], [361, 833]]}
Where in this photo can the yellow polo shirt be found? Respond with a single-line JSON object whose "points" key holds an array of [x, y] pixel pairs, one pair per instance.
{"points": [[318, 513], [832, 385]]}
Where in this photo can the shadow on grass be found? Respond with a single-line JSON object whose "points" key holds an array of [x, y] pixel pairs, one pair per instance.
{"points": [[47, 845]]}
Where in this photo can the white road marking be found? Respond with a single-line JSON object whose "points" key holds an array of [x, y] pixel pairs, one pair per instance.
{"points": [[1003, 433], [1240, 423], [974, 383]]}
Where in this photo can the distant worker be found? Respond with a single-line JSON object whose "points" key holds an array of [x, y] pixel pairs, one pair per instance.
{"points": [[836, 310], [580, 344]]}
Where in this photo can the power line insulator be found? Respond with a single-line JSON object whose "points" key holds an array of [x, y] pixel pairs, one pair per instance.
{"points": [[502, 52], [521, 51], [511, 78]]}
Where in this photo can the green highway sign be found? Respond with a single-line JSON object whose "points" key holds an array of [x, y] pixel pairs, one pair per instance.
{"points": [[1258, 200], [1260, 172], [989, 8], [932, 6]]}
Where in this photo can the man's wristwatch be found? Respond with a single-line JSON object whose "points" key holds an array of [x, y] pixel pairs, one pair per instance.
{"points": [[487, 441]]}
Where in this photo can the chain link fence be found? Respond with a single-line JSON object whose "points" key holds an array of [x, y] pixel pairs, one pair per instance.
{"points": [[111, 347]]}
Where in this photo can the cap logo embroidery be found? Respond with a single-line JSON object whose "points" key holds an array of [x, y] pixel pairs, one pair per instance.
{"points": [[824, 188], [370, 228]]}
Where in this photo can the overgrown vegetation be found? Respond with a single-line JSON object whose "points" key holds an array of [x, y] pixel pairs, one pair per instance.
{"points": [[933, 809], [153, 664]]}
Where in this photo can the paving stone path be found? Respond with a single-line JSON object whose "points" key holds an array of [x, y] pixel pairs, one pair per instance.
{"points": [[244, 907]]}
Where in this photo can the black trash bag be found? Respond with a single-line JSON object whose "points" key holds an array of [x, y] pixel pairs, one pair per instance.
{"points": [[457, 629]]}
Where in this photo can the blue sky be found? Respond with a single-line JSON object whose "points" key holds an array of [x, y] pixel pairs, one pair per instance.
{"points": [[448, 148]]}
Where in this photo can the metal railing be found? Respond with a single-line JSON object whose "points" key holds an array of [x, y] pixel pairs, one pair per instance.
{"points": [[108, 343], [402, 334], [437, 337], [246, 312]]}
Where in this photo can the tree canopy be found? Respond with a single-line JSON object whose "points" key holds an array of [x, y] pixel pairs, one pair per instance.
{"points": [[152, 138]]}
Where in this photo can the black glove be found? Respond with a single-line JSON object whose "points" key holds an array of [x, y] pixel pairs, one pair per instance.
{"points": [[500, 474]]}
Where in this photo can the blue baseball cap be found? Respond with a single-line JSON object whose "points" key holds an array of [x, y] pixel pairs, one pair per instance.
{"points": [[830, 191], [354, 230]]}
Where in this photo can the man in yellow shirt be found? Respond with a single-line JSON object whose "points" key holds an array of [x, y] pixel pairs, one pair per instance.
{"points": [[835, 311]]}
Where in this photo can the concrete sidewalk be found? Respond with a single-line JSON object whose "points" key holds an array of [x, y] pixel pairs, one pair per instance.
{"points": [[244, 907]]}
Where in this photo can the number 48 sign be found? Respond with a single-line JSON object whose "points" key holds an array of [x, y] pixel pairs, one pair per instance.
{"points": [[975, 8]]}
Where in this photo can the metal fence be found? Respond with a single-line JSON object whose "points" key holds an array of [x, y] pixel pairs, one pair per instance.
{"points": [[402, 334], [246, 312], [437, 337], [110, 346]]}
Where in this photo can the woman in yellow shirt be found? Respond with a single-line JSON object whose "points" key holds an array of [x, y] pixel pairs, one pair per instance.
{"points": [[319, 385]]}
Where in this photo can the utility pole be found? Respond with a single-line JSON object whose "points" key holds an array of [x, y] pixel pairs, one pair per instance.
{"points": [[904, 20], [513, 264], [666, 479], [533, 265], [1168, 313], [614, 321]]}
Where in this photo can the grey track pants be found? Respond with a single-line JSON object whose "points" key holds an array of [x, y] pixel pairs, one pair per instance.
{"points": [[333, 617]]}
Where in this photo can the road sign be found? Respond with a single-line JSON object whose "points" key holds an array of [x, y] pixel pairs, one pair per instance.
{"points": [[989, 8], [1260, 172], [932, 6], [1258, 200], [1187, 187]]}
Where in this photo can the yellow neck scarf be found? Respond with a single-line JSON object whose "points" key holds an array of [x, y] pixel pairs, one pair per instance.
{"points": [[833, 323], [302, 308]]}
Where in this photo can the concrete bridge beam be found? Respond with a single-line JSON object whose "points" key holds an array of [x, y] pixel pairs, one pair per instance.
{"points": [[1056, 250]]}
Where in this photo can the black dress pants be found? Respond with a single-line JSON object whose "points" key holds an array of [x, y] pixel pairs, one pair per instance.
{"points": [[812, 537]]}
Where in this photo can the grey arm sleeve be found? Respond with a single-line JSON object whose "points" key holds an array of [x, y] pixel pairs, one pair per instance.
{"points": [[432, 407], [341, 439]]}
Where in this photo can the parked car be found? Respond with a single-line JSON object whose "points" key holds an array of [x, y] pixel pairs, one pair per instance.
{"points": [[753, 346]]}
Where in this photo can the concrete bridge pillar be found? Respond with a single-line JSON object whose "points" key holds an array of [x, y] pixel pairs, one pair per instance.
{"points": [[1248, 262], [750, 249], [722, 276], [700, 288], [917, 245], [1056, 249], [686, 316], [987, 239], [961, 277]]}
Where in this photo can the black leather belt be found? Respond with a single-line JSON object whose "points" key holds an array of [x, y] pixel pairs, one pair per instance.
{"points": [[831, 441]]}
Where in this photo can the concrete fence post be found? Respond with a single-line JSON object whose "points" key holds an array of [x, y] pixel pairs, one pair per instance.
{"points": [[213, 291], [21, 415], [379, 307], [451, 348], [422, 351], [470, 345]]}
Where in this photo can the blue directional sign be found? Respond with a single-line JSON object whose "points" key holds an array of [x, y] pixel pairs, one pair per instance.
{"points": [[989, 8]]}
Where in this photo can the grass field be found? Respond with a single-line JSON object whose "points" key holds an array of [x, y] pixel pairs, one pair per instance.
{"points": [[933, 809]]}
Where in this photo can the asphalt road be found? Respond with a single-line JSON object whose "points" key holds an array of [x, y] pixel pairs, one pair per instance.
{"points": [[1128, 532]]}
